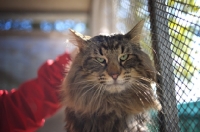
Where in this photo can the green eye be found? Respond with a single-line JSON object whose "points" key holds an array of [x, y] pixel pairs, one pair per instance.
{"points": [[101, 60], [124, 57]]}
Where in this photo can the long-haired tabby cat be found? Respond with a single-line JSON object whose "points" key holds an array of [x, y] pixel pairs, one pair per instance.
{"points": [[108, 87]]}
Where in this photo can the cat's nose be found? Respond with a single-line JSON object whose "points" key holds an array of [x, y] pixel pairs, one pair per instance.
{"points": [[115, 76]]}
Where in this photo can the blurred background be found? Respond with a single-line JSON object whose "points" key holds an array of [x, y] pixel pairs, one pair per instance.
{"points": [[32, 31]]}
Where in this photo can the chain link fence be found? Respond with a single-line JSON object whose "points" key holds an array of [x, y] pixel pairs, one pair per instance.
{"points": [[172, 38]]}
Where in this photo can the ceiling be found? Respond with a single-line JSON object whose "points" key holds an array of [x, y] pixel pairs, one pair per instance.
{"points": [[45, 5]]}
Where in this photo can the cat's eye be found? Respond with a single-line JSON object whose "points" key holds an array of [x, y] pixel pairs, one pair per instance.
{"points": [[101, 60], [124, 57]]}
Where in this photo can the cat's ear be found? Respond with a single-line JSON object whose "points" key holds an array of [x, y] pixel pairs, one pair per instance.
{"points": [[135, 34], [77, 39]]}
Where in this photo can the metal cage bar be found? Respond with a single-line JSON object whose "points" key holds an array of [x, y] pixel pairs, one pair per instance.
{"points": [[161, 44]]}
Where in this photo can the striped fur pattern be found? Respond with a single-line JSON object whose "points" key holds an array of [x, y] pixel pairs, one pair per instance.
{"points": [[108, 87]]}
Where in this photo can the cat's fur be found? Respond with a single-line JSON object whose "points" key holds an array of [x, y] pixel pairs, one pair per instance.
{"points": [[106, 91]]}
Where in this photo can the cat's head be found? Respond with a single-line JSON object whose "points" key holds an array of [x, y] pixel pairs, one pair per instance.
{"points": [[110, 65], [112, 62]]}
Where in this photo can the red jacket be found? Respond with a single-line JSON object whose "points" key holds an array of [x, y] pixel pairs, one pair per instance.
{"points": [[24, 109]]}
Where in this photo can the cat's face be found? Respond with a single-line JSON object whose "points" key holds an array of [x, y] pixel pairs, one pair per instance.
{"points": [[112, 63], [110, 73]]}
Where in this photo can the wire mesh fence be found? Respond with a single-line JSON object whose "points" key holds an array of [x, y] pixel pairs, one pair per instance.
{"points": [[172, 30]]}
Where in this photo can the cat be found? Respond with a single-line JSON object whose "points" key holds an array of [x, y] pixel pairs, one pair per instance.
{"points": [[108, 86]]}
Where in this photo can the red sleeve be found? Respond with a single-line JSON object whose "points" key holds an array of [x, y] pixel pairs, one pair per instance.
{"points": [[24, 109]]}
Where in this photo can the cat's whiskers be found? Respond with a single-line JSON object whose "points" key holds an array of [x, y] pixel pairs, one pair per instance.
{"points": [[81, 82], [97, 97], [132, 87], [141, 93], [91, 88], [142, 89], [147, 96], [142, 86], [82, 88], [150, 81], [138, 91], [141, 77], [100, 92], [96, 93], [144, 79]]}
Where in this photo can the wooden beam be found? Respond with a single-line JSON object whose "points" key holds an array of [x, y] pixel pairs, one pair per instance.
{"points": [[45, 5], [48, 16]]}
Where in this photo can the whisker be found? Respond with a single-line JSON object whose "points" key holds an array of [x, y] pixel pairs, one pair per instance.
{"points": [[157, 85], [82, 87], [80, 82], [145, 79], [88, 90], [96, 92], [138, 90], [83, 81], [144, 89], [100, 94], [138, 83]]}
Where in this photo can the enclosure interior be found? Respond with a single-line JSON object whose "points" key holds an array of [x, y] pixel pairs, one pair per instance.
{"points": [[33, 31]]}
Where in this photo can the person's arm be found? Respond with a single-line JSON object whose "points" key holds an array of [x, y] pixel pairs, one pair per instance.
{"points": [[24, 109]]}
